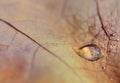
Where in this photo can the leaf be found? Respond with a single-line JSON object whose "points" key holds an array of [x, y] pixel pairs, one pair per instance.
{"points": [[37, 36]]}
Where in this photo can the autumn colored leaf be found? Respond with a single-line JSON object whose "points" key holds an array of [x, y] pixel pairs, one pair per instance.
{"points": [[59, 41]]}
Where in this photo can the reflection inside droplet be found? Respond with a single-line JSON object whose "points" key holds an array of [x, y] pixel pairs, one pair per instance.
{"points": [[89, 52]]}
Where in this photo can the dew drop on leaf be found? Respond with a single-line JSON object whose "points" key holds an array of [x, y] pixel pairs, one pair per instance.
{"points": [[89, 52]]}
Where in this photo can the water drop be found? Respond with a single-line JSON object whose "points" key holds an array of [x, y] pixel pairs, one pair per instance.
{"points": [[89, 52]]}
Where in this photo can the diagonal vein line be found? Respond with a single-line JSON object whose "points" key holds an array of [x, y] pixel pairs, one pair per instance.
{"points": [[101, 19], [40, 45], [31, 39]]}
